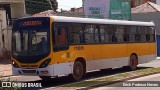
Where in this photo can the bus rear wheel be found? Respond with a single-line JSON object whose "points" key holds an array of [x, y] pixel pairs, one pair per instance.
{"points": [[78, 71], [133, 62]]}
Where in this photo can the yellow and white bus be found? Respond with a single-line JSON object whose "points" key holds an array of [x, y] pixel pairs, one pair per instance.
{"points": [[57, 46]]}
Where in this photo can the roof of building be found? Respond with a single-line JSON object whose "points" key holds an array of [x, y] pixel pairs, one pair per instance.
{"points": [[46, 13], [147, 7]]}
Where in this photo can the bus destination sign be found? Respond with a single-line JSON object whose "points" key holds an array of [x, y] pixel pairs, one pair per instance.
{"points": [[28, 23], [32, 23]]}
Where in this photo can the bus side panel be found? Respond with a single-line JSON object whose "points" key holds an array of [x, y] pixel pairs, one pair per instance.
{"points": [[87, 52], [114, 51], [93, 53], [152, 51], [61, 65], [141, 49], [112, 55], [64, 60]]}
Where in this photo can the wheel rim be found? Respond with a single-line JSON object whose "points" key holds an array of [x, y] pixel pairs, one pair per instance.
{"points": [[133, 63], [78, 71]]}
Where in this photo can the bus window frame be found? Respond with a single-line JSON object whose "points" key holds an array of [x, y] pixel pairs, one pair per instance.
{"points": [[154, 34], [83, 27], [55, 36], [67, 24], [97, 27]]}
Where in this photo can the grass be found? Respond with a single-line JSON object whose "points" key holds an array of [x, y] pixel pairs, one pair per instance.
{"points": [[114, 78]]}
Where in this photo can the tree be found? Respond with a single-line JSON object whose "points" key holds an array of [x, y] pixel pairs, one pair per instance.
{"points": [[54, 4], [36, 6]]}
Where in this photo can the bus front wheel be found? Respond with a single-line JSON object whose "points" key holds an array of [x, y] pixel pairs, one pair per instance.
{"points": [[78, 71], [133, 62]]}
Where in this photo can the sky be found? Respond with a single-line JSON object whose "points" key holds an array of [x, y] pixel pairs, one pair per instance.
{"points": [[67, 4]]}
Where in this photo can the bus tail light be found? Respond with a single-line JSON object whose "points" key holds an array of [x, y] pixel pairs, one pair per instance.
{"points": [[45, 63], [15, 64]]}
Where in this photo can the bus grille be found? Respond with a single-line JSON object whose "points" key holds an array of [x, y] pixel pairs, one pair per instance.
{"points": [[29, 71], [27, 66]]}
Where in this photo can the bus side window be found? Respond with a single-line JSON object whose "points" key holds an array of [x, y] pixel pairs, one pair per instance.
{"points": [[61, 38], [126, 37], [120, 33], [132, 32], [143, 32], [114, 38], [106, 33], [91, 34], [137, 37], [114, 34], [76, 35], [151, 33], [147, 37]]}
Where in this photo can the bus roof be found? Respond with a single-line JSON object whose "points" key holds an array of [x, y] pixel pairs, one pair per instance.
{"points": [[100, 21]]}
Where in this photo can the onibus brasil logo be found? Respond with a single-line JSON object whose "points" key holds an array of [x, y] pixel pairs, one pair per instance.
{"points": [[20, 84]]}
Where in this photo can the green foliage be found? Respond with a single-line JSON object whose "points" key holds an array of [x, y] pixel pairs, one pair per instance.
{"points": [[36, 6]]}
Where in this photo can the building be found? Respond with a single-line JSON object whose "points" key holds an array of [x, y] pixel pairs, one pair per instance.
{"points": [[135, 3], [146, 8], [9, 11], [78, 12], [147, 12], [46, 13]]}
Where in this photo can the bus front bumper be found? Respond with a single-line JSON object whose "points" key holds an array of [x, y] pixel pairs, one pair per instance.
{"points": [[48, 71]]}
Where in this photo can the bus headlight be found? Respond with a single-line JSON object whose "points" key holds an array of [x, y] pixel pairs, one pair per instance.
{"points": [[45, 63], [15, 64]]}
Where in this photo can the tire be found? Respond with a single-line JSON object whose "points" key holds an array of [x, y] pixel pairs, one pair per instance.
{"points": [[45, 78], [78, 71], [133, 62]]}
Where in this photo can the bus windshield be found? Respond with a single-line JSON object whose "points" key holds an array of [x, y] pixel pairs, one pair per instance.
{"points": [[30, 40]]}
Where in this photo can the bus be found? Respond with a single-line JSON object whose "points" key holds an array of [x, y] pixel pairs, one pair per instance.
{"points": [[56, 46]]}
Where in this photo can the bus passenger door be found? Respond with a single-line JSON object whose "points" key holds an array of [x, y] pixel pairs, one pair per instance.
{"points": [[60, 50]]}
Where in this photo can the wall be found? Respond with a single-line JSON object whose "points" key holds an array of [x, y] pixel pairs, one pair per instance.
{"points": [[17, 10], [158, 2], [153, 16], [5, 45], [139, 2]]}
